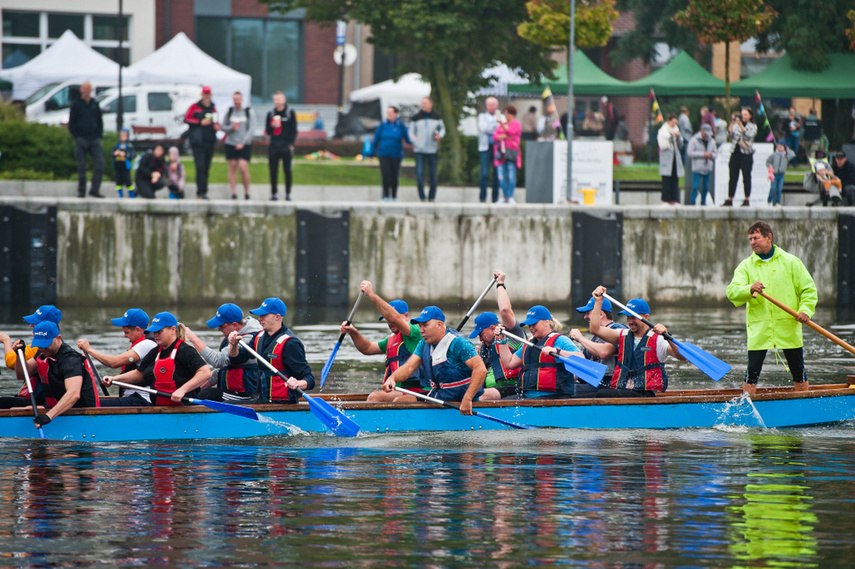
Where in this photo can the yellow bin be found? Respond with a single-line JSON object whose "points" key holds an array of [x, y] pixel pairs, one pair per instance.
{"points": [[588, 195]]}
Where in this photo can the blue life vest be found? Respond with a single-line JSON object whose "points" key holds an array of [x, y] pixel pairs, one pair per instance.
{"points": [[441, 374], [238, 379]]}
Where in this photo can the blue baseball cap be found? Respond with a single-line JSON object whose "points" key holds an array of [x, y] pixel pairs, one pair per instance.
{"points": [[429, 313], [47, 312], [43, 334], [225, 314], [483, 320], [132, 317], [637, 305], [606, 307], [399, 305], [535, 314], [270, 305], [162, 320]]}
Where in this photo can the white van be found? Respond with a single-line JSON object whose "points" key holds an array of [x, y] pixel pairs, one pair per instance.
{"points": [[54, 99], [149, 110]]}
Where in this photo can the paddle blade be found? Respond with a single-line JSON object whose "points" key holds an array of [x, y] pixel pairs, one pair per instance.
{"points": [[336, 421], [705, 361], [586, 370], [326, 371], [244, 412], [41, 433]]}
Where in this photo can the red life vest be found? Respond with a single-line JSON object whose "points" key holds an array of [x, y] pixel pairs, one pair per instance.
{"points": [[539, 370], [649, 375], [164, 370], [43, 367], [396, 353], [279, 390]]}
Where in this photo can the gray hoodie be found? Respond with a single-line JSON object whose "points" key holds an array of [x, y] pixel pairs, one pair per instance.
{"points": [[244, 120], [219, 359], [422, 128], [780, 160], [697, 148]]}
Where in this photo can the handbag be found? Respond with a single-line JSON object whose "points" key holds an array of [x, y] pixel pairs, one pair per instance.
{"points": [[511, 155]]}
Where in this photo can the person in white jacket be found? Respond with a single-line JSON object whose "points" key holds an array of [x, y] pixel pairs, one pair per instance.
{"points": [[426, 130], [702, 151], [487, 124]]}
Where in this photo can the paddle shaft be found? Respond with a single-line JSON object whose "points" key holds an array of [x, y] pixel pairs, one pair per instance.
{"points": [[477, 302], [23, 361], [453, 406], [810, 323], [186, 400], [352, 314], [666, 335], [269, 366], [97, 375]]}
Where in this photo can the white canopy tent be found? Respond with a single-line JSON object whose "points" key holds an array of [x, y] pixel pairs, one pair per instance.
{"points": [[406, 93], [180, 61], [67, 58]]}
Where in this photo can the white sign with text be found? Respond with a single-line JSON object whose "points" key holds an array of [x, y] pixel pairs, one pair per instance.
{"points": [[592, 168]]}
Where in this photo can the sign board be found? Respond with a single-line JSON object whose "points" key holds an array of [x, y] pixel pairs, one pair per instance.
{"points": [[349, 51], [760, 183], [592, 168], [340, 32]]}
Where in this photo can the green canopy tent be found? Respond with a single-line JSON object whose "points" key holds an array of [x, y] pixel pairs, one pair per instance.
{"points": [[780, 80], [682, 76], [5, 85], [588, 80]]}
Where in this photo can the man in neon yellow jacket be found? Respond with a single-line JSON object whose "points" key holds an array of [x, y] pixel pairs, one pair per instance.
{"points": [[783, 276]]}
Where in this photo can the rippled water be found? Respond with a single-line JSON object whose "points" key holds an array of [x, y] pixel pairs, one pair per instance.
{"points": [[689, 498]]}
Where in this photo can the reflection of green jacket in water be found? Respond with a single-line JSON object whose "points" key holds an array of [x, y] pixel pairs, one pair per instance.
{"points": [[786, 279]]}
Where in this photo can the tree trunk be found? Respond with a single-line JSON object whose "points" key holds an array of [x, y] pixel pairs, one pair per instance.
{"points": [[452, 148], [727, 81]]}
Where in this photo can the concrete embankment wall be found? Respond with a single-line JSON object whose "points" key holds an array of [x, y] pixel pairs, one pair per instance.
{"points": [[121, 252]]}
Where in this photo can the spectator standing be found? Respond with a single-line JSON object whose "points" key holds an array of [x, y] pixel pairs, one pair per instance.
{"points": [[720, 129], [670, 165], [529, 124], [777, 163], [123, 160], [684, 123], [844, 170], [150, 172], [176, 177], [609, 117], [742, 133], [702, 151], [281, 127], [792, 126], [487, 124], [812, 133], [204, 124], [427, 129], [87, 128], [508, 158], [389, 149], [238, 128], [708, 117]]}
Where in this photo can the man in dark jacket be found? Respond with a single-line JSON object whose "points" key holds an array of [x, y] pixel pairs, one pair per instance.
{"points": [[150, 172], [87, 128], [202, 118], [281, 127], [844, 170]]}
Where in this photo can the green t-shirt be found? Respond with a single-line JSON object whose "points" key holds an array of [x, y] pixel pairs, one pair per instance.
{"points": [[491, 375], [410, 342]]}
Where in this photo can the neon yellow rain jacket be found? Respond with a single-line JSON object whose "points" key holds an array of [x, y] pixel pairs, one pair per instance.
{"points": [[786, 279]]}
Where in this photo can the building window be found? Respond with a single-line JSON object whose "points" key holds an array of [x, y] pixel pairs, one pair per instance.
{"points": [[270, 50], [20, 24], [59, 23]]}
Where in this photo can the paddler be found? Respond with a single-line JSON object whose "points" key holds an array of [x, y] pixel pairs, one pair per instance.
{"points": [[175, 367], [543, 375], [234, 379], [278, 345], [642, 351], [784, 277], [500, 382], [398, 347], [62, 372], [595, 348], [44, 312], [452, 365], [133, 322]]}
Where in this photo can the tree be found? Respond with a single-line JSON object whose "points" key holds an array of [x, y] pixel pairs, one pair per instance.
{"points": [[448, 41], [654, 24], [549, 22], [734, 20]]}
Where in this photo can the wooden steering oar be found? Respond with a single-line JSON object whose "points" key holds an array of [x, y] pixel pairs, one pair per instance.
{"points": [[23, 361], [810, 323]]}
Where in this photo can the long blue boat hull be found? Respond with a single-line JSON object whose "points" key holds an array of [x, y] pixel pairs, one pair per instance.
{"points": [[771, 408]]}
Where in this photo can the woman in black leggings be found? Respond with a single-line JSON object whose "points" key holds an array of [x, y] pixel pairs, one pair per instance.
{"points": [[388, 147], [742, 133]]}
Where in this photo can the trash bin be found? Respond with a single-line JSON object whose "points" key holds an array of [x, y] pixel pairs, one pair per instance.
{"points": [[588, 195]]}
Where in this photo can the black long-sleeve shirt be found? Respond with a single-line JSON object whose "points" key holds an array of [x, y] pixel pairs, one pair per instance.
{"points": [[286, 134], [84, 119]]}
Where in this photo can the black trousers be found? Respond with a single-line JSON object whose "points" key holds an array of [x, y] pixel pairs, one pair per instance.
{"points": [[390, 170], [740, 162], [202, 155], [671, 184], [92, 147], [795, 361], [146, 189], [275, 154]]}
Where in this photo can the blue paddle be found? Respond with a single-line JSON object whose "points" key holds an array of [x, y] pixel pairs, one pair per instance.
{"points": [[453, 406], [326, 371], [333, 419], [586, 370], [23, 362], [245, 412], [705, 361]]}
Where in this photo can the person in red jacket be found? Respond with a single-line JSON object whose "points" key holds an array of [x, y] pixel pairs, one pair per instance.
{"points": [[204, 124]]}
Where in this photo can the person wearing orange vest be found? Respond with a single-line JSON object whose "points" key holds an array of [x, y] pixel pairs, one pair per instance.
{"points": [[63, 373], [175, 367], [44, 312], [398, 347], [133, 322], [642, 351], [278, 345]]}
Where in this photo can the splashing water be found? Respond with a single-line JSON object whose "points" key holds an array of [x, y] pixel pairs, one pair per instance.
{"points": [[291, 429], [740, 411]]}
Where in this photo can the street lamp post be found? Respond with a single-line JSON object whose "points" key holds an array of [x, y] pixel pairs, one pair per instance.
{"points": [[120, 119], [570, 100]]}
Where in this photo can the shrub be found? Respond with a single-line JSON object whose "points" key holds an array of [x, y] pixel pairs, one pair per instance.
{"points": [[36, 147]]}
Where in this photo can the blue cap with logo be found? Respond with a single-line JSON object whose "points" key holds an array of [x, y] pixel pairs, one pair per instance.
{"points": [[270, 305], [606, 307], [162, 320], [43, 333], [132, 317], [637, 305], [47, 312], [482, 321], [429, 313], [226, 314], [400, 307], [535, 314]]}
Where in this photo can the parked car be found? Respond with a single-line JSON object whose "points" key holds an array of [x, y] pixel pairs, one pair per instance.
{"points": [[156, 110], [53, 98]]}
